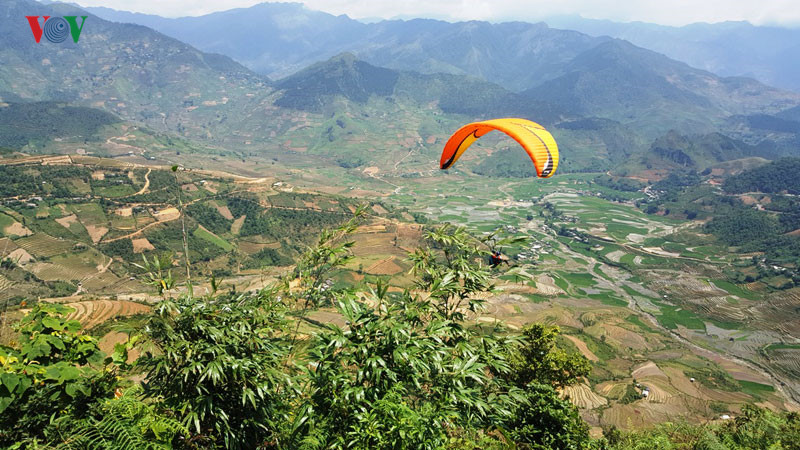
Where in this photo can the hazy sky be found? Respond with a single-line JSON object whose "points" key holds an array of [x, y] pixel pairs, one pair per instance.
{"points": [[666, 12]]}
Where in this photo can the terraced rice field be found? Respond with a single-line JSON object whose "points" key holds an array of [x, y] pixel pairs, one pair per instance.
{"points": [[386, 266], [371, 244], [43, 245], [91, 313], [787, 358], [56, 272], [5, 283], [582, 396]]}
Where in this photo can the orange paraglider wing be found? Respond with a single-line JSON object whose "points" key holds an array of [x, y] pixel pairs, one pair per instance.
{"points": [[537, 142]]}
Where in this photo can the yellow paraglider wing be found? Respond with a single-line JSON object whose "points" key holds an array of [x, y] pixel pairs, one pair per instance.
{"points": [[539, 143]]}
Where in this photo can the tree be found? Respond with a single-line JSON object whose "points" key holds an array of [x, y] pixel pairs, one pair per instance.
{"points": [[544, 421], [218, 361], [537, 359]]}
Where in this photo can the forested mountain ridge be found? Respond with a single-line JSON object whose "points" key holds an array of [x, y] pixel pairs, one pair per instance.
{"points": [[129, 70], [278, 39]]}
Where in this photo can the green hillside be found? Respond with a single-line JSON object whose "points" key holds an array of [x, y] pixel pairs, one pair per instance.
{"points": [[23, 124], [776, 177], [676, 151], [128, 70]]}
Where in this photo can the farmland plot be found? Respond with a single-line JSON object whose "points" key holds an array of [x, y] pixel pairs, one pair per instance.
{"points": [[91, 313], [43, 245]]}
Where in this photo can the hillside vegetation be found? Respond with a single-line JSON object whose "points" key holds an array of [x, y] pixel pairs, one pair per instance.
{"points": [[778, 176]]}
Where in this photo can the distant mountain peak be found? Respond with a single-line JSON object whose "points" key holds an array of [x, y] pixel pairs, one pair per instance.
{"points": [[342, 75]]}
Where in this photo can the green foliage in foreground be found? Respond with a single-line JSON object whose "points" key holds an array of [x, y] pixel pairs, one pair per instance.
{"points": [[755, 428], [53, 369], [237, 371]]}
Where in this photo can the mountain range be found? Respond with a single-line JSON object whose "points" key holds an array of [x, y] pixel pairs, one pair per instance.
{"points": [[605, 99], [766, 53], [277, 39]]}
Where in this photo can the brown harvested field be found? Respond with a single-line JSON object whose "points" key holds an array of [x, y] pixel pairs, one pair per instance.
{"points": [[787, 359], [105, 281], [748, 199], [5, 283], [167, 214], [688, 287], [582, 396], [582, 348], [618, 337], [555, 315], [17, 229], [682, 383], [141, 245], [250, 247], [94, 312], [612, 389], [236, 226], [67, 221], [224, 211], [657, 393], [546, 285], [648, 369], [374, 228], [379, 209], [96, 232], [20, 256], [738, 372], [370, 244], [7, 245], [327, 317], [408, 236], [386, 266], [642, 414]]}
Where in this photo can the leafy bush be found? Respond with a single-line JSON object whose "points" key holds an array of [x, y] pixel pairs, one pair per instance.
{"points": [[53, 371], [218, 361]]}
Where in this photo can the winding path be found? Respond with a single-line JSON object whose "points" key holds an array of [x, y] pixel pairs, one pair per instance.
{"points": [[146, 182]]}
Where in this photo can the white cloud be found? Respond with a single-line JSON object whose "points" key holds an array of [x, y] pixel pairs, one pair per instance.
{"points": [[675, 12]]}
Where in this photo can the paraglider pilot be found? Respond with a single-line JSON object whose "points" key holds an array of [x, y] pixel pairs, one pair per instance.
{"points": [[495, 259]]}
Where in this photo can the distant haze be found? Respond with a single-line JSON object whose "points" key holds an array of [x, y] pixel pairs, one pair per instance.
{"points": [[676, 12]]}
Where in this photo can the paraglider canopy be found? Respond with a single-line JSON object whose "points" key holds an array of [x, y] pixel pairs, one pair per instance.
{"points": [[539, 143]]}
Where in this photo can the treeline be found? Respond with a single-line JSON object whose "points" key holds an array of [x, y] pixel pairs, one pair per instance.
{"points": [[40, 180], [278, 222]]}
